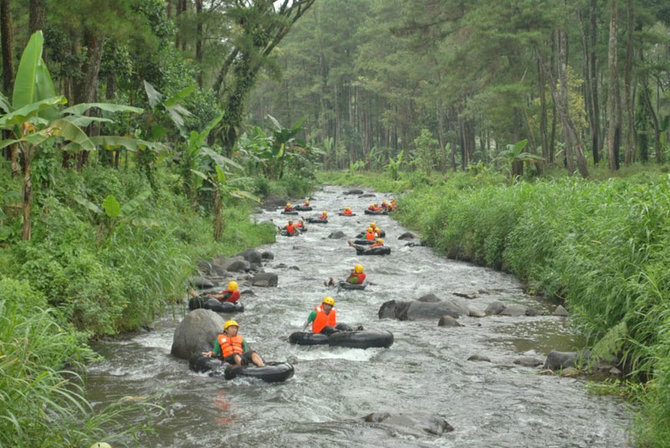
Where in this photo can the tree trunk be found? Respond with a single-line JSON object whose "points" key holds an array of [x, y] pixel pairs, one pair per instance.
{"points": [[654, 120], [573, 145], [629, 156], [88, 83], [218, 214], [7, 47], [27, 192], [37, 16], [595, 100], [543, 114], [613, 101], [198, 40]]}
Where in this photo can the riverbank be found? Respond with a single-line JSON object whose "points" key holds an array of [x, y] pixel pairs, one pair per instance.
{"points": [[96, 267], [599, 247]]}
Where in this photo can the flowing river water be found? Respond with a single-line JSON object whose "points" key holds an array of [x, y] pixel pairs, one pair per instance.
{"points": [[425, 371]]}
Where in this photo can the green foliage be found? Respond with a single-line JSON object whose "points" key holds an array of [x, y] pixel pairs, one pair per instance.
{"points": [[602, 248]]}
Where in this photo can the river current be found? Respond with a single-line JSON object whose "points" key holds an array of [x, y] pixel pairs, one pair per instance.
{"points": [[425, 371]]}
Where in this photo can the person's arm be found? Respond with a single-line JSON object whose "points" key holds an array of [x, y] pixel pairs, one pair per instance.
{"points": [[310, 319], [216, 350], [245, 347]]}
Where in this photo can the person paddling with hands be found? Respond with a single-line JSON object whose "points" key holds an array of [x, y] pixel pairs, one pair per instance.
{"points": [[324, 317], [356, 276], [230, 294], [232, 348]]}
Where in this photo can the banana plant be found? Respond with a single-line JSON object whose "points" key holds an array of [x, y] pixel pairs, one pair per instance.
{"points": [[34, 117], [515, 155], [217, 179]]}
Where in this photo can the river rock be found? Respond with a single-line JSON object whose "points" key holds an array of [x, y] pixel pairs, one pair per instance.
{"points": [[407, 236], [494, 308], [415, 310], [570, 372], [417, 423], [265, 255], [560, 311], [466, 294], [265, 279], [448, 321], [514, 310], [528, 361], [560, 360], [200, 282], [429, 298], [368, 195], [337, 235], [354, 191], [532, 312], [251, 255], [273, 202], [205, 267], [476, 313], [196, 333], [479, 358]]}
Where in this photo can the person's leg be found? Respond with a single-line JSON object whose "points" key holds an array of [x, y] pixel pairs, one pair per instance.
{"points": [[256, 359], [328, 330]]}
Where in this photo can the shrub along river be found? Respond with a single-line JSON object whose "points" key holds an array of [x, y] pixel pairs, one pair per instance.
{"points": [[426, 372]]}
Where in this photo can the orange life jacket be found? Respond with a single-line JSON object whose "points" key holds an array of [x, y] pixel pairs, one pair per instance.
{"points": [[230, 345], [323, 217], [360, 278], [370, 236], [322, 319], [290, 229], [347, 212], [233, 297]]}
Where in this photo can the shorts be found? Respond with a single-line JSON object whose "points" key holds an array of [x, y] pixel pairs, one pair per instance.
{"points": [[246, 357]]}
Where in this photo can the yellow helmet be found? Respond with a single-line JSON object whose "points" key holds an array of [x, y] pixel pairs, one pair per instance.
{"points": [[379, 240], [373, 225], [358, 268], [232, 285], [325, 213], [370, 230], [288, 204], [230, 323], [378, 230], [306, 201], [347, 208], [329, 301]]}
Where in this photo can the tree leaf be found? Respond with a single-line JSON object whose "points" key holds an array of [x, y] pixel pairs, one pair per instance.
{"points": [[29, 111], [25, 85], [154, 96], [220, 175], [129, 207], [112, 207], [72, 132], [89, 205], [80, 109], [177, 97]]}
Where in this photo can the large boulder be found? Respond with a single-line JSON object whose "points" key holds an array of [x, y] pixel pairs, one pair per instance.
{"points": [[411, 423], [407, 236], [448, 321], [273, 202], [201, 282], [251, 255], [416, 310], [561, 360], [265, 279], [196, 333], [354, 191], [337, 235], [494, 308], [231, 264], [267, 255]]}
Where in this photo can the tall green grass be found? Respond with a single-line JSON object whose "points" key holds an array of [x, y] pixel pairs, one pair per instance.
{"points": [[84, 275], [602, 248], [42, 400]]}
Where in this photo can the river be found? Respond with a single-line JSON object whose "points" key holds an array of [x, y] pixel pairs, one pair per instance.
{"points": [[426, 370]]}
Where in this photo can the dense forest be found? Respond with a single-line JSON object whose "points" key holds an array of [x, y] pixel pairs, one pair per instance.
{"points": [[453, 83], [137, 135]]}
